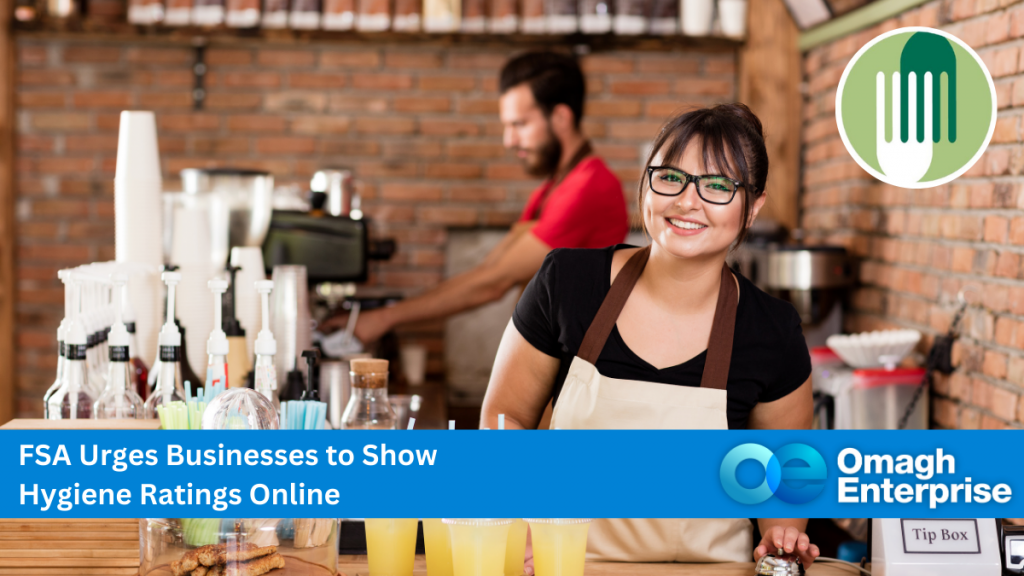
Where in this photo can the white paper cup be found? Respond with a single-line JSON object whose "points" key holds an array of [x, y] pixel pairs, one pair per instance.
{"points": [[414, 363]]}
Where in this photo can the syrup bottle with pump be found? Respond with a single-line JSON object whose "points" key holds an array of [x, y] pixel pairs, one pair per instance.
{"points": [[168, 380], [239, 363], [217, 346], [61, 335], [72, 401], [119, 399], [266, 348]]}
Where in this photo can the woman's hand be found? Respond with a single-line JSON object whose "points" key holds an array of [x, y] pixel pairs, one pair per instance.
{"points": [[791, 540]]}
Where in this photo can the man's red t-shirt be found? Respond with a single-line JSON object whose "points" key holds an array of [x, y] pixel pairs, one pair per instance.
{"points": [[587, 210]]}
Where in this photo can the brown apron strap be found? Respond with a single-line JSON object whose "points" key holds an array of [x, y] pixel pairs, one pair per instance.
{"points": [[716, 365], [608, 313]]}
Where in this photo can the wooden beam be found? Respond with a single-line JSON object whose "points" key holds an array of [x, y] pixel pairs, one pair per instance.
{"points": [[769, 83], [8, 399]]}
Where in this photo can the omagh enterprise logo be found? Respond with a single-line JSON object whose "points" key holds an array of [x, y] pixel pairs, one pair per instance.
{"points": [[916, 107], [795, 473]]}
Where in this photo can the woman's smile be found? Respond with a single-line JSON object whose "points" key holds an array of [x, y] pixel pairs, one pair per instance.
{"points": [[685, 226]]}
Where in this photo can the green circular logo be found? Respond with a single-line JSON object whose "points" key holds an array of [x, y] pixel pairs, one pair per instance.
{"points": [[916, 107]]}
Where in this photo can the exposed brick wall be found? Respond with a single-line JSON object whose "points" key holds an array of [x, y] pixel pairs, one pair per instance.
{"points": [[919, 248], [417, 122]]}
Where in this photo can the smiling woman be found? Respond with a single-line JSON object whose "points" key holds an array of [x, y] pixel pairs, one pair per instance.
{"points": [[666, 337]]}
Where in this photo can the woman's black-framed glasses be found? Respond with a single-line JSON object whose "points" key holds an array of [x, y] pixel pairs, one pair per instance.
{"points": [[713, 189]]}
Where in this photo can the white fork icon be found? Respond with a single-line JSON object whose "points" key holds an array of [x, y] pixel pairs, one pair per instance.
{"points": [[905, 163]]}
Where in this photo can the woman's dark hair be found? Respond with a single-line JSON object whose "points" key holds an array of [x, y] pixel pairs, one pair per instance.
{"points": [[553, 79], [724, 131]]}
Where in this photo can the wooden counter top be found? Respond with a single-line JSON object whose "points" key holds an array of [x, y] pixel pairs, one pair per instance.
{"points": [[356, 566]]}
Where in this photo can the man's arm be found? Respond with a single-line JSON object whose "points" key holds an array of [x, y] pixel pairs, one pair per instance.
{"points": [[516, 262]]}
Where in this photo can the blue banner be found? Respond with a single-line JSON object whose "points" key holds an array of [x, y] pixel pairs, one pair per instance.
{"points": [[429, 474]]}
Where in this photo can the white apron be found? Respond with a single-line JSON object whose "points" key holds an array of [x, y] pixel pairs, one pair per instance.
{"points": [[589, 400]]}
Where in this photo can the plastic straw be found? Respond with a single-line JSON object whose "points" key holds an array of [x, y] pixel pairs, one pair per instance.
{"points": [[501, 421], [412, 422], [451, 424]]}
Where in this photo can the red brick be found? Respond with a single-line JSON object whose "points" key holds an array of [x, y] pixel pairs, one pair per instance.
{"points": [[414, 60], [32, 143], [191, 123], [92, 54], [704, 87], [32, 55], [617, 108], [256, 123], [102, 100], [356, 59], [382, 125], [165, 100], [447, 83], [475, 150], [228, 57], [315, 80], [38, 230], [600, 64], [349, 103], [382, 81], [413, 149], [55, 253], [1004, 403], [295, 102], [1017, 231], [176, 78], [61, 121], [477, 194], [453, 170], [251, 79], [423, 104], [412, 192], [221, 145], [320, 125], [640, 87], [487, 106], [285, 58], [487, 62], [994, 364], [1007, 265], [996, 228], [449, 127], [351, 148], [447, 216], [503, 171], [41, 100], [285, 145], [720, 66], [45, 78], [164, 55], [60, 208], [640, 129], [90, 231], [671, 65], [90, 143]]}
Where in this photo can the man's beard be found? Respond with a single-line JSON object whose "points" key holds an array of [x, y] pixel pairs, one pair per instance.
{"points": [[543, 161]]}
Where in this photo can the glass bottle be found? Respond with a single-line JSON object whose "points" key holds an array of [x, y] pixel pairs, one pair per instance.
{"points": [[368, 407], [61, 332], [138, 371], [72, 400], [119, 400], [169, 386]]}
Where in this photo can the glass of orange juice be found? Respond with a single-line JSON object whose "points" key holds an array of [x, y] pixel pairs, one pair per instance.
{"points": [[391, 545], [438, 543], [478, 545], [515, 549], [559, 545]]}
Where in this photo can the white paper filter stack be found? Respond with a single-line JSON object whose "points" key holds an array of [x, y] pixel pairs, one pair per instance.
{"points": [[870, 349], [137, 221], [247, 300]]}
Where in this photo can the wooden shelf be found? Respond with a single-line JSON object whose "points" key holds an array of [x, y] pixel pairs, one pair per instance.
{"points": [[224, 35]]}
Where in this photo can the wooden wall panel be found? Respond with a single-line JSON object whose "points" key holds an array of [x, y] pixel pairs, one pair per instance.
{"points": [[769, 82]]}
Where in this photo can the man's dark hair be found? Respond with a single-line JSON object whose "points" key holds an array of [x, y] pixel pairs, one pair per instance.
{"points": [[553, 78]]}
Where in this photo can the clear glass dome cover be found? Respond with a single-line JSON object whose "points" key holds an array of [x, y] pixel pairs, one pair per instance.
{"points": [[240, 409]]}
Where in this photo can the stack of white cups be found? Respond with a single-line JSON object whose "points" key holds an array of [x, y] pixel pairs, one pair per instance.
{"points": [[190, 250], [247, 300], [137, 221]]}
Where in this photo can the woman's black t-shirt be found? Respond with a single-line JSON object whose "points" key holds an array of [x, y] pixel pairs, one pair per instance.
{"points": [[769, 354]]}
